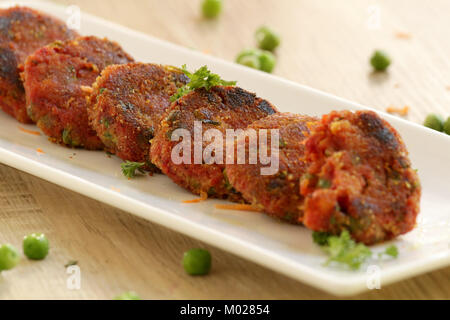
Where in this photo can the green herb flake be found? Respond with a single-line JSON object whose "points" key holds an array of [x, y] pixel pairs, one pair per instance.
{"points": [[129, 168], [202, 78], [392, 251]]}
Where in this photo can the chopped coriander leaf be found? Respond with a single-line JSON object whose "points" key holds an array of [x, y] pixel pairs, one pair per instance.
{"points": [[321, 238], [202, 78], [343, 250], [129, 168], [392, 251]]}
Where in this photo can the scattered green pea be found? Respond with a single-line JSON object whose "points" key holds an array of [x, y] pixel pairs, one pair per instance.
{"points": [[197, 262], [211, 8], [257, 59], [267, 39], [130, 295], [267, 61], [380, 61], [9, 257], [434, 121], [35, 246], [446, 126], [251, 61]]}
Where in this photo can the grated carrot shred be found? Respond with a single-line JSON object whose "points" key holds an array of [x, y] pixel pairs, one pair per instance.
{"points": [[203, 197], [401, 111], [36, 133], [240, 207], [403, 35], [40, 150]]}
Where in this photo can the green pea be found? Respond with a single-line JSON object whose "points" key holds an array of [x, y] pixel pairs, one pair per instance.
{"points": [[380, 60], [9, 257], [267, 39], [447, 126], [257, 59], [249, 58], [35, 246], [251, 61], [434, 121], [211, 8], [267, 61], [130, 295], [197, 262]]}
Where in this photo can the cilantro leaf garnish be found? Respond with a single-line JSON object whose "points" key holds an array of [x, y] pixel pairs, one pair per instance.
{"points": [[342, 249], [129, 168], [345, 251], [202, 78]]}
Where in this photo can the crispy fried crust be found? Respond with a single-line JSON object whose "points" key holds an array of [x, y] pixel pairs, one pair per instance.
{"points": [[220, 108], [277, 194], [127, 103], [22, 31], [360, 178], [57, 80]]}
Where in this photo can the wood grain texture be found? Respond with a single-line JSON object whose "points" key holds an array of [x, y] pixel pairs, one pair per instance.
{"points": [[326, 45]]}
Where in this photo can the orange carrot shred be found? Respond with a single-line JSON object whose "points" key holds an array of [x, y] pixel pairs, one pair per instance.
{"points": [[239, 207], [40, 150], [403, 35], [401, 111], [36, 133], [203, 197]]}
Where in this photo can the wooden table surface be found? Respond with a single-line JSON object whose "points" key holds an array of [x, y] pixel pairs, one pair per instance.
{"points": [[326, 45]]}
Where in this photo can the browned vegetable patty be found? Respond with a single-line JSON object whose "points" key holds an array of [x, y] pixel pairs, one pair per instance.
{"points": [[23, 31], [127, 103], [57, 80], [220, 108], [277, 194], [360, 178]]}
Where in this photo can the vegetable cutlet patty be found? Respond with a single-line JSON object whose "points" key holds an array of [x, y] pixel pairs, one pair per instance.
{"points": [[23, 31], [57, 80], [220, 108], [127, 103], [277, 194], [360, 178]]}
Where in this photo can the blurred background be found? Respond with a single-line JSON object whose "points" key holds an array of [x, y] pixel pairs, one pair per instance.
{"points": [[325, 44]]}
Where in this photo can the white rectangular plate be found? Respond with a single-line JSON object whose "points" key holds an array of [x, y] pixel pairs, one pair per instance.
{"points": [[284, 248]]}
